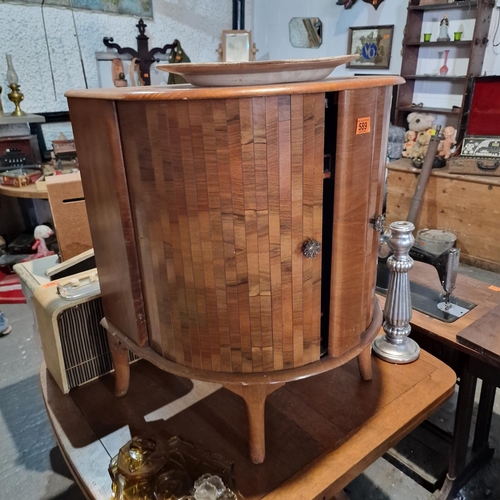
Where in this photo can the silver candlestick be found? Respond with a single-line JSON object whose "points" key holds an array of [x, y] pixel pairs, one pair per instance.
{"points": [[395, 346]]}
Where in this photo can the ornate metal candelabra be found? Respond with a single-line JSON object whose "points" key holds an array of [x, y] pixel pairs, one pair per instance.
{"points": [[395, 346], [143, 54]]}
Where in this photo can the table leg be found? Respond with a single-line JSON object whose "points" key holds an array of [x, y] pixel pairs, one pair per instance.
{"points": [[461, 432], [119, 353], [255, 398], [365, 363], [484, 415], [341, 495]]}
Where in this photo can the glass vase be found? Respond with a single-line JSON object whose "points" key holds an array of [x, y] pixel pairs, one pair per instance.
{"points": [[11, 72], [443, 71]]}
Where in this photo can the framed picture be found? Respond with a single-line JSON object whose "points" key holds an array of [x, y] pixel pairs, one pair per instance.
{"points": [[236, 46], [373, 44]]}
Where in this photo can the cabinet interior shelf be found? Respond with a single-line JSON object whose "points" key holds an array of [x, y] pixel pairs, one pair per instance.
{"points": [[429, 109], [433, 77], [461, 43], [447, 6]]}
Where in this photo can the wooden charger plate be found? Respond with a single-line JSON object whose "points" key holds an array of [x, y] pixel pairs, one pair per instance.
{"points": [[257, 72]]}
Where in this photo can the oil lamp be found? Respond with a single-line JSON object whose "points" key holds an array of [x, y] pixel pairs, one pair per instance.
{"points": [[15, 95]]}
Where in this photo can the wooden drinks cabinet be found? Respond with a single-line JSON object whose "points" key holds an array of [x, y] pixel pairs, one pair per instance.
{"points": [[225, 251]]}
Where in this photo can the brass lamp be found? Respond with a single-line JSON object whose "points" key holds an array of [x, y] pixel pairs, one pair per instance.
{"points": [[15, 95]]}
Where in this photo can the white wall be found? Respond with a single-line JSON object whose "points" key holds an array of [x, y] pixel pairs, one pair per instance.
{"points": [[196, 23], [271, 18], [491, 62]]}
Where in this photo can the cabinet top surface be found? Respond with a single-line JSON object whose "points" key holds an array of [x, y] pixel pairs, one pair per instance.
{"points": [[188, 91]]}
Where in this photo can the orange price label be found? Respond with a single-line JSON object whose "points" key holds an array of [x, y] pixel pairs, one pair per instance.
{"points": [[363, 125], [52, 283], [494, 288]]}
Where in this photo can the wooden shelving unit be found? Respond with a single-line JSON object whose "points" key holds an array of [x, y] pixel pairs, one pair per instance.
{"points": [[447, 6], [434, 77], [461, 43], [481, 11], [428, 109]]}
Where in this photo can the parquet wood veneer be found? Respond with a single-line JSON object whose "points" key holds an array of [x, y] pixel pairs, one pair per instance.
{"points": [[200, 202]]}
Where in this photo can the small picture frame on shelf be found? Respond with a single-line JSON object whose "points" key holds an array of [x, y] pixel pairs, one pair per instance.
{"points": [[373, 44], [236, 46]]}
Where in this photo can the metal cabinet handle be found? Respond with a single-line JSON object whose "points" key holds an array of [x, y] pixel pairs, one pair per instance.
{"points": [[311, 248]]}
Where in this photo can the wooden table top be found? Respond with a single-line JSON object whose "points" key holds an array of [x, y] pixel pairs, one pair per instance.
{"points": [[485, 295], [483, 335], [187, 91], [29, 191], [321, 432]]}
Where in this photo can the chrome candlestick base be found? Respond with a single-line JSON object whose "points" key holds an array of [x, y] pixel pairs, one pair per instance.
{"points": [[395, 346], [400, 354]]}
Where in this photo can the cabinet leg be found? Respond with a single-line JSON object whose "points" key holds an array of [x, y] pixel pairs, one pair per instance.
{"points": [[255, 399], [119, 353], [365, 363]]}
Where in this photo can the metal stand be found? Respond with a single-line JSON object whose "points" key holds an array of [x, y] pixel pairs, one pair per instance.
{"points": [[143, 54], [395, 346]]}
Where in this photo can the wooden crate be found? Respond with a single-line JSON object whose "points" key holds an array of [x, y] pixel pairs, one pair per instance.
{"points": [[466, 205]]}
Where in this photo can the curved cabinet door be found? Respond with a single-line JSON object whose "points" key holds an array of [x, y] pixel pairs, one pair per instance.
{"points": [[224, 192]]}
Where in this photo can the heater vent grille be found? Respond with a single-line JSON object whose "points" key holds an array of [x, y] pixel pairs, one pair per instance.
{"points": [[84, 343]]}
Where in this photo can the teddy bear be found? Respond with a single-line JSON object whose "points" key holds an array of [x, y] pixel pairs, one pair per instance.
{"points": [[410, 137], [420, 121], [420, 147], [448, 142]]}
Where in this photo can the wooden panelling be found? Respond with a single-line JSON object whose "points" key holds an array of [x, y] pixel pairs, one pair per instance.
{"points": [[466, 205], [104, 182], [223, 195], [357, 198]]}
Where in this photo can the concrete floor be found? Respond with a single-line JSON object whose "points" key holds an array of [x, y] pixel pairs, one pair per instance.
{"points": [[32, 468]]}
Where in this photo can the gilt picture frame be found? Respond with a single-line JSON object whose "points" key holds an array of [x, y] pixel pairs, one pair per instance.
{"points": [[373, 44]]}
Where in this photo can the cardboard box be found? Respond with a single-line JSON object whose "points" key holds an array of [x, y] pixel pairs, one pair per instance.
{"points": [[70, 214]]}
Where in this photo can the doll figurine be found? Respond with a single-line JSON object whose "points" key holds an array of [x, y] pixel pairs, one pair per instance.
{"points": [[443, 29], [410, 138], [448, 142], [42, 232]]}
